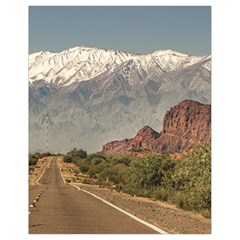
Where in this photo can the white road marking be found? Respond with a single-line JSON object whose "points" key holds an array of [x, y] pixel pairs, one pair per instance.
{"points": [[62, 175], [123, 211], [37, 198], [43, 172], [40, 176], [118, 208]]}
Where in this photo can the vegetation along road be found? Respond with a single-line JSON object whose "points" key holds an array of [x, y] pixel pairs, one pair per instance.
{"points": [[57, 207]]}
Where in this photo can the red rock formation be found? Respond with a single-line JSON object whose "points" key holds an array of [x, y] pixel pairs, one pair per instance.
{"points": [[146, 138], [184, 125]]}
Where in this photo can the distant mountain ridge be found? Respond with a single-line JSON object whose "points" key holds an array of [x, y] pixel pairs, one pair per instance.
{"points": [[84, 63], [185, 125], [95, 95]]}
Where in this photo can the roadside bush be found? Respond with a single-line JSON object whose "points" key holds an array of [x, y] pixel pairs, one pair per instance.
{"points": [[32, 161], [96, 160], [33, 158], [185, 182], [84, 168], [162, 194], [121, 159], [180, 199], [191, 180], [47, 154], [68, 159], [149, 172], [97, 155], [35, 155], [111, 175], [77, 153]]}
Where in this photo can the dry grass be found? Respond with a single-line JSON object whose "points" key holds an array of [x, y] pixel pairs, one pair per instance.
{"points": [[42, 163], [166, 216]]}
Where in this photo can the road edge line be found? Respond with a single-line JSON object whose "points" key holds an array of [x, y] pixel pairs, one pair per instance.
{"points": [[42, 173], [40, 176], [123, 211], [62, 175]]}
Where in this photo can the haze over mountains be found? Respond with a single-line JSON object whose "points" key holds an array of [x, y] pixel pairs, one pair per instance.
{"points": [[184, 126], [93, 96]]}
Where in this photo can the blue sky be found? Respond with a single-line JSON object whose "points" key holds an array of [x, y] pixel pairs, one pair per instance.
{"points": [[135, 29]]}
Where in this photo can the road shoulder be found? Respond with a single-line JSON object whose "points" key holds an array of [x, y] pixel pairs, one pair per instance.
{"points": [[161, 214]]}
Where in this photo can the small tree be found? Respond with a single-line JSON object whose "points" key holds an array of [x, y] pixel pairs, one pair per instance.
{"points": [[149, 172], [77, 153], [32, 161], [192, 178], [68, 159]]}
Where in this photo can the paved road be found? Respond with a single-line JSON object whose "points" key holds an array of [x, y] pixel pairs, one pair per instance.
{"points": [[62, 208]]}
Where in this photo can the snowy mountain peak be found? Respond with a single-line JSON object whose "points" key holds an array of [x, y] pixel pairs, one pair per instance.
{"points": [[169, 52], [35, 57], [81, 63]]}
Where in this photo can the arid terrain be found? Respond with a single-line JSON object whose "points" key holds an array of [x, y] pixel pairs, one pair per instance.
{"points": [[38, 169], [161, 214]]}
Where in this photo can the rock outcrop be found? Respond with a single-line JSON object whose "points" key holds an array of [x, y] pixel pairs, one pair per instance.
{"points": [[184, 125], [146, 138]]}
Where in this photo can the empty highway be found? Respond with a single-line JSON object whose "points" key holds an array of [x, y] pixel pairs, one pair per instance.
{"points": [[57, 207]]}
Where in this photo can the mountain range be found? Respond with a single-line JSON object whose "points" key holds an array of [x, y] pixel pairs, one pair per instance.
{"points": [[92, 95]]}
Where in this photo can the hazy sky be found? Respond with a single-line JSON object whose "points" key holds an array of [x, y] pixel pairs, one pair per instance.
{"points": [[134, 29]]}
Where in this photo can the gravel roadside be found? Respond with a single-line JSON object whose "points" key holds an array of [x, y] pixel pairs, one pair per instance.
{"points": [[161, 214], [38, 169]]}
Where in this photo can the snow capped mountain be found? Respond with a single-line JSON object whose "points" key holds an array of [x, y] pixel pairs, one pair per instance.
{"points": [[83, 63], [93, 95], [73, 65]]}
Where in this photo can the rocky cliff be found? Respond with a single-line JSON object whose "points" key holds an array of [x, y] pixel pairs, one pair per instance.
{"points": [[184, 125], [146, 138]]}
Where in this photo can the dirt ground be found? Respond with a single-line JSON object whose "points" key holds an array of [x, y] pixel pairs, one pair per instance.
{"points": [[38, 169], [163, 215]]}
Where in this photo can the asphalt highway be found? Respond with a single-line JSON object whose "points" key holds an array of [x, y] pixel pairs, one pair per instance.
{"points": [[56, 207]]}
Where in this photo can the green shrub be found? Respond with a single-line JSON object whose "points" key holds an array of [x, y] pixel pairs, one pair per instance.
{"points": [[84, 168], [121, 159], [36, 155], [110, 174], [180, 199], [97, 155], [32, 161], [91, 173], [68, 159], [185, 182], [74, 153], [47, 154], [96, 160], [33, 157], [162, 194], [149, 172], [191, 180]]}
